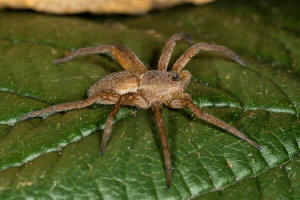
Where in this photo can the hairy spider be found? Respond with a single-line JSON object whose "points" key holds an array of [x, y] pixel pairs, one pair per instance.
{"points": [[136, 86]]}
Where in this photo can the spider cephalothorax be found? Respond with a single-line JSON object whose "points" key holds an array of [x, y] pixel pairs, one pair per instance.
{"points": [[136, 86]]}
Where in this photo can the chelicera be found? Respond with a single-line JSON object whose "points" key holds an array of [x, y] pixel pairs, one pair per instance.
{"points": [[142, 88]]}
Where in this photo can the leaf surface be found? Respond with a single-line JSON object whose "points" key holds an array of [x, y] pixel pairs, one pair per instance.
{"points": [[57, 157]]}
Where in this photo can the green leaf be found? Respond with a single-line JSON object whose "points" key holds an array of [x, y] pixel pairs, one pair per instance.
{"points": [[57, 157], [278, 183]]}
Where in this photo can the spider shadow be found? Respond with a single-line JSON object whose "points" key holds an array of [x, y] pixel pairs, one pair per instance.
{"points": [[108, 63], [105, 61], [156, 135], [170, 137], [216, 130], [156, 53], [171, 132]]}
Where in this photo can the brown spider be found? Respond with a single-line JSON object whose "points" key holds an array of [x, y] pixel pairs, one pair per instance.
{"points": [[136, 86]]}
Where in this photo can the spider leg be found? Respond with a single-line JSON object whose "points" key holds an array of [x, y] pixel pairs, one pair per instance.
{"points": [[134, 99], [130, 99], [102, 98], [127, 59], [180, 103], [159, 120], [193, 50], [84, 51], [108, 125], [168, 49]]}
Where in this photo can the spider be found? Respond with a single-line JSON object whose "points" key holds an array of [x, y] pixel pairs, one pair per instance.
{"points": [[142, 88]]}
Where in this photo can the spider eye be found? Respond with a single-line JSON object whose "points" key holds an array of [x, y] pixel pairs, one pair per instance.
{"points": [[176, 78]]}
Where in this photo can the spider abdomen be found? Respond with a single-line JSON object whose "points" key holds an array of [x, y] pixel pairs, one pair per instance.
{"points": [[118, 82]]}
